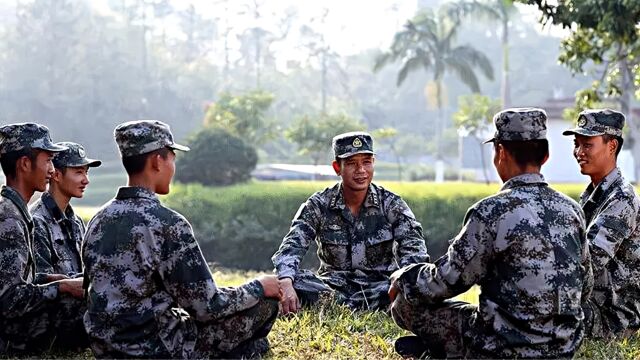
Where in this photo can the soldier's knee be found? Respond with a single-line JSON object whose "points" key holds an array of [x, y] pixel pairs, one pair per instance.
{"points": [[401, 313]]}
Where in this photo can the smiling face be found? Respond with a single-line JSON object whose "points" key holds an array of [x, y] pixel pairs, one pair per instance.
{"points": [[71, 181], [595, 156], [356, 171], [39, 171]]}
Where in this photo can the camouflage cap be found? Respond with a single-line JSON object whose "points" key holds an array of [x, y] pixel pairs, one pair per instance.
{"points": [[351, 143], [15, 137], [144, 136], [520, 124], [74, 156], [596, 122]]}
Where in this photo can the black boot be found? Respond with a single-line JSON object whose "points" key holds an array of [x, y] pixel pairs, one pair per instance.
{"points": [[411, 347]]}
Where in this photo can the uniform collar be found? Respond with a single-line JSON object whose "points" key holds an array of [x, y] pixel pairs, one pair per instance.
{"points": [[54, 209], [523, 180], [372, 199], [129, 192], [593, 193], [15, 197]]}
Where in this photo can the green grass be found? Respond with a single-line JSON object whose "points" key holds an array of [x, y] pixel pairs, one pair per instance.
{"points": [[330, 331]]}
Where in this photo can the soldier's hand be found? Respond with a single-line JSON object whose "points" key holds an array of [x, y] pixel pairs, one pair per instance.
{"points": [[393, 290], [290, 302], [271, 286], [56, 277], [72, 287]]}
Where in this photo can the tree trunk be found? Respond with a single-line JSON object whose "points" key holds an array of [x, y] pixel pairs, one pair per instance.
{"points": [[625, 106], [439, 173], [323, 62], [505, 88]]}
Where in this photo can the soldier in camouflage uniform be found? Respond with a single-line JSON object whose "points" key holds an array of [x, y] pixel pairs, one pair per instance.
{"points": [[611, 207], [150, 290], [58, 230], [524, 247], [363, 231], [37, 311]]}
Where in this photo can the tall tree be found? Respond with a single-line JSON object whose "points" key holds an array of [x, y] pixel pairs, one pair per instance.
{"points": [[427, 43], [501, 11], [605, 34]]}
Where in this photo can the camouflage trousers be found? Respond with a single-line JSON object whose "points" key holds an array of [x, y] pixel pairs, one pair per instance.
{"points": [[602, 324], [357, 292], [234, 336], [178, 335], [441, 327], [57, 326]]}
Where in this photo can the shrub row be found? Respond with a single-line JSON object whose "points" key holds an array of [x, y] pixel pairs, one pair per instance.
{"points": [[241, 226]]}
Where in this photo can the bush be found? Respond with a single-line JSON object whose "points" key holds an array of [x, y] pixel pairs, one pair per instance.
{"points": [[241, 226], [216, 158]]}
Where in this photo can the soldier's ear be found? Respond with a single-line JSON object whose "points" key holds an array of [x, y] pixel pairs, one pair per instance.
{"points": [[336, 167], [24, 164], [154, 161], [57, 175]]}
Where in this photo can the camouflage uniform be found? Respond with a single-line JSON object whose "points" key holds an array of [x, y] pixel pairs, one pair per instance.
{"points": [[150, 291], [33, 313], [613, 231], [357, 254], [58, 234], [525, 248]]}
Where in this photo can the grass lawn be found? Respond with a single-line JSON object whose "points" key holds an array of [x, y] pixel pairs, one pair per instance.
{"points": [[330, 331]]}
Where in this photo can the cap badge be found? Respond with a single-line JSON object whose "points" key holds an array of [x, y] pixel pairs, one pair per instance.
{"points": [[357, 143], [582, 122], [81, 152]]}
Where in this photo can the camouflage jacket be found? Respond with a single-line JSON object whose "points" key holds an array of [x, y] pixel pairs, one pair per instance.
{"points": [[613, 232], [383, 237], [20, 290], [57, 237], [526, 249], [143, 269]]}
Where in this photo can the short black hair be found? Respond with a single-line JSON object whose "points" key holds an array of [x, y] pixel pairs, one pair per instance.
{"points": [[529, 152], [9, 160], [134, 165], [606, 138]]}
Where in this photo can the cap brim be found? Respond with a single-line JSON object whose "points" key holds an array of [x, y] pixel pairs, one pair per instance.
{"points": [[583, 132], [52, 148], [87, 162], [344, 156], [178, 147], [489, 141]]}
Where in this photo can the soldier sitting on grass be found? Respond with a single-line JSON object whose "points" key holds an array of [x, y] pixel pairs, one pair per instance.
{"points": [[37, 311], [526, 250], [363, 231], [58, 230], [150, 290], [612, 210]]}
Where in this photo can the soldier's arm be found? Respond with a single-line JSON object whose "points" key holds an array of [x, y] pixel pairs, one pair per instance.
{"points": [[17, 296], [186, 276], [462, 266], [410, 247], [609, 229], [42, 247], [296, 243]]}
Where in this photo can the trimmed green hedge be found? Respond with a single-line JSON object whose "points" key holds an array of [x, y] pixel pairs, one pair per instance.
{"points": [[241, 226]]}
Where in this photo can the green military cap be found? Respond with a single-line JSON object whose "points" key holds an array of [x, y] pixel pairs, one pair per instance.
{"points": [[144, 136], [15, 137], [74, 156], [520, 124], [351, 143], [596, 122]]}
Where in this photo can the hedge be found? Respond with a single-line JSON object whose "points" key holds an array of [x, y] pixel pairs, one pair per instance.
{"points": [[241, 226]]}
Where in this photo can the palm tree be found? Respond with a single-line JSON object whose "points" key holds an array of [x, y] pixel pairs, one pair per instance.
{"points": [[501, 11], [427, 43]]}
